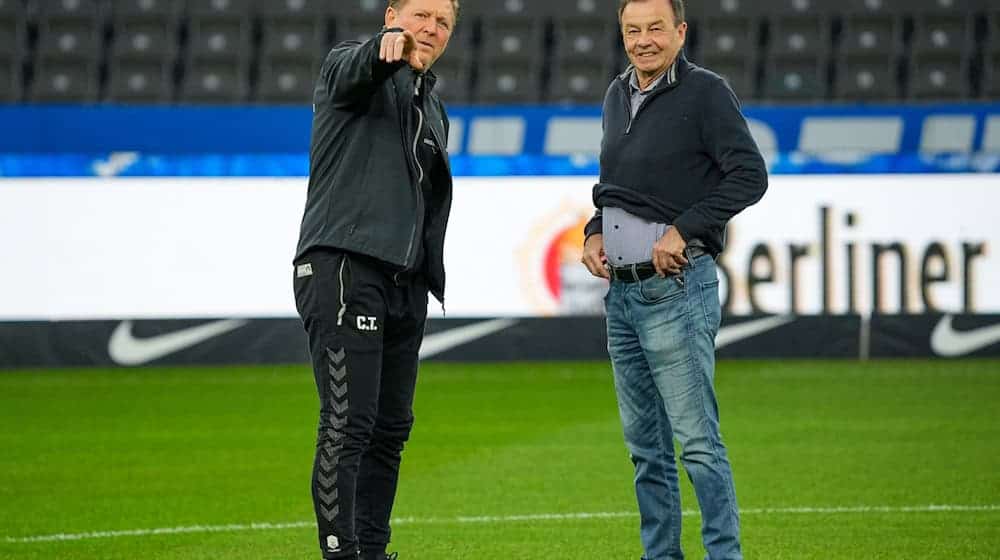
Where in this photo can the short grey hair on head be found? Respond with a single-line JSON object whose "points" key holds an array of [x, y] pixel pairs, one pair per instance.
{"points": [[677, 5], [397, 4]]}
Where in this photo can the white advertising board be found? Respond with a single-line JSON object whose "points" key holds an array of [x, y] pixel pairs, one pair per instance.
{"points": [[198, 248]]}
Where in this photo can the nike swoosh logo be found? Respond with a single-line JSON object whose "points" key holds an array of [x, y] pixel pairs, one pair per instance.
{"points": [[127, 350], [738, 332], [437, 343], [116, 163], [948, 342]]}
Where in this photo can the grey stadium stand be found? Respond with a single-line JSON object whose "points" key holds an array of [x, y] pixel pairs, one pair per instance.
{"points": [[454, 81], [141, 81], [872, 27], [214, 82], [800, 36], [218, 58], [728, 33], [503, 51], [295, 29], [512, 35], [285, 81], [942, 48], [585, 49], [358, 19], [13, 42], [991, 54], [144, 50], [866, 79], [68, 51], [294, 40], [144, 29]]}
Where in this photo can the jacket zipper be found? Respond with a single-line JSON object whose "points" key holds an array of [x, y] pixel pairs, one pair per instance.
{"points": [[343, 304], [628, 104], [628, 111], [420, 169]]}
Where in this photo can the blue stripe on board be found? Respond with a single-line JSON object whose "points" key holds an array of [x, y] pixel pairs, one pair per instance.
{"points": [[125, 164], [99, 129]]}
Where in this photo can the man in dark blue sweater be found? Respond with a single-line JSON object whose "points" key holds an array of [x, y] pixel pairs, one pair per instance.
{"points": [[677, 162]]}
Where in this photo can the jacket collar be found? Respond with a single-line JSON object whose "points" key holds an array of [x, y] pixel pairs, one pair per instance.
{"points": [[671, 78]]}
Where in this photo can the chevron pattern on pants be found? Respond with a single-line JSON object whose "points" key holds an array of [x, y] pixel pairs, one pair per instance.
{"points": [[329, 457]]}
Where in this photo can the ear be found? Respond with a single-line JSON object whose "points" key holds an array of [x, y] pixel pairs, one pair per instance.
{"points": [[390, 17]]}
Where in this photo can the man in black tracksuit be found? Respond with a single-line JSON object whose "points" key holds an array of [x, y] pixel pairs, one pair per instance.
{"points": [[370, 249], [677, 162]]}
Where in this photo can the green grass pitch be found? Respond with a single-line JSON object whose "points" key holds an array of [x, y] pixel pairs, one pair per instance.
{"points": [[833, 460]]}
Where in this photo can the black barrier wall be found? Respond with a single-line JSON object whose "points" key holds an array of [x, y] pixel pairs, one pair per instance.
{"points": [[274, 341]]}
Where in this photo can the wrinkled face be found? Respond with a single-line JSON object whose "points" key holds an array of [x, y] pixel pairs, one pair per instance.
{"points": [[652, 40], [431, 21]]}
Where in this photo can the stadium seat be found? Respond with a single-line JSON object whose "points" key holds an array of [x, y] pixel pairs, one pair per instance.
{"points": [[701, 10], [219, 39], [300, 40], [144, 29], [286, 81], [69, 10], [358, 20], [454, 84], [70, 40], [734, 38], [991, 43], [580, 81], [213, 82], [799, 28], [872, 27], [144, 40], [866, 78], [10, 80], [799, 48], [64, 80], [739, 73], [507, 39], [943, 76], [140, 81], [991, 77], [509, 82], [584, 29], [145, 10], [216, 10], [13, 29], [603, 10], [795, 80], [943, 26], [294, 29], [295, 10]]}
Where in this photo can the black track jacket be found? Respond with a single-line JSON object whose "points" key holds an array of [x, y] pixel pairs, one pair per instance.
{"points": [[364, 178], [687, 159]]}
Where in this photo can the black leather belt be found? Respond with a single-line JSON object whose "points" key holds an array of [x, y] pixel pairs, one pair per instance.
{"points": [[641, 271]]}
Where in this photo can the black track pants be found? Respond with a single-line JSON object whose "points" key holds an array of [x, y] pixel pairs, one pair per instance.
{"points": [[365, 327]]}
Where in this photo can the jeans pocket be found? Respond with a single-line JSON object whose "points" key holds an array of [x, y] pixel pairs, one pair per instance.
{"points": [[660, 290], [711, 306]]}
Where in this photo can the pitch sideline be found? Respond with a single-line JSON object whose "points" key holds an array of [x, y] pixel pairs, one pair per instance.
{"points": [[238, 527]]}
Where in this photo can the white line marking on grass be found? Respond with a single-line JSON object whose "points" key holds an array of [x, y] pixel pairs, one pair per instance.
{"points": [[492, 519]]}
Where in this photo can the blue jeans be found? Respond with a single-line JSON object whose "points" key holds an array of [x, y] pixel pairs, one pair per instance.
{"points": [[661, 337]]}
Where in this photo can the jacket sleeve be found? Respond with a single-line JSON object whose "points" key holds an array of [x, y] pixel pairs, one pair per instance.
{"points": [[744, 174], [352, 71]]}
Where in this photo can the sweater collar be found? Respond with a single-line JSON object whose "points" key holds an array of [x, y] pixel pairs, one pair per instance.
{"points": [[669, 79]]}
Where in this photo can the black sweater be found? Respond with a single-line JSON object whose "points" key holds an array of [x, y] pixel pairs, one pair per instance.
{"points": [[687, 159]]}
